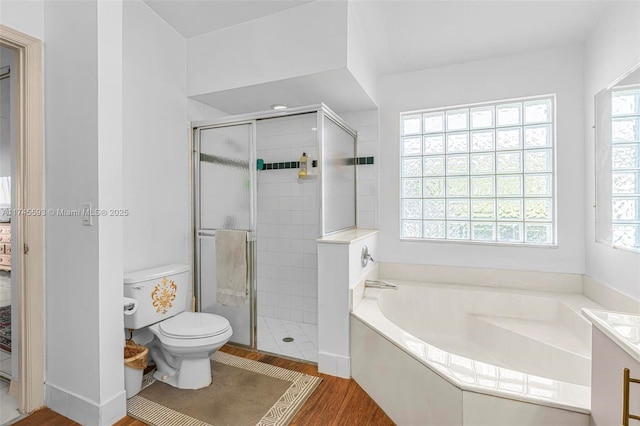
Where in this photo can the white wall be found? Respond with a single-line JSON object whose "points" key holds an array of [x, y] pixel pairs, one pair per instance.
{"points": [[302, 40], [24, 16], [156, 142], [359, 54], [611, 49], [556, 71], [83, 141], [6, 112]]}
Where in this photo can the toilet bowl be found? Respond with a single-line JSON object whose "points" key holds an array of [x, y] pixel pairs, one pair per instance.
{"points": [[182, 341], [182, 346]]}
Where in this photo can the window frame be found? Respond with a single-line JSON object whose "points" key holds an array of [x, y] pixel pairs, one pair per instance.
{"points": [[553, 223]]}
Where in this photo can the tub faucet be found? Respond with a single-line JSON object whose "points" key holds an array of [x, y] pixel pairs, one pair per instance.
{"points": [[379, 284]]}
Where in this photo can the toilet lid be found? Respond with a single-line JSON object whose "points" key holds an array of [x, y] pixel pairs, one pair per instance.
{"points": [[192, 325]]}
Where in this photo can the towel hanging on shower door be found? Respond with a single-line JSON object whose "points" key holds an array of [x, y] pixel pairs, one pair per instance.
{"points": [[231, 267]]}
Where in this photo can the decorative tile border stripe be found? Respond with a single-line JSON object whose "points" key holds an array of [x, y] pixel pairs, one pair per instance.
{"points": [[296, 164], [279, 414]]}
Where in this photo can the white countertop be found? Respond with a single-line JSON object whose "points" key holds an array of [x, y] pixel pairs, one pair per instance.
{"points": [[347, 237], [622, 328]]}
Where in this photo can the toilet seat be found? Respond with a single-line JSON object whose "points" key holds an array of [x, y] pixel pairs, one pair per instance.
{"points": [[194, 325]]}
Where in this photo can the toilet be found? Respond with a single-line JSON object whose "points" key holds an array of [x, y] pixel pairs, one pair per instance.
{"points": [[182, 341]]}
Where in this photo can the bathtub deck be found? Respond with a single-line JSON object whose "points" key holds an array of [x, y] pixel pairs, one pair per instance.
{"points": [[545, 332]]}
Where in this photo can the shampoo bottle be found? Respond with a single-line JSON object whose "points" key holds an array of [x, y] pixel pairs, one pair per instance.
{"points": [[303, 166]]}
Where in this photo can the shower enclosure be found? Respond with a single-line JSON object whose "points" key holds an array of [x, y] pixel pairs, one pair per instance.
{"points": [[246, 179]]}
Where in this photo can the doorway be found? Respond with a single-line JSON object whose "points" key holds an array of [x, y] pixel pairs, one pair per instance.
{"points": [[26, 241]]}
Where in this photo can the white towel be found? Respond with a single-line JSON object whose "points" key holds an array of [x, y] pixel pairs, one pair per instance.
{"points": [[231, 267]]}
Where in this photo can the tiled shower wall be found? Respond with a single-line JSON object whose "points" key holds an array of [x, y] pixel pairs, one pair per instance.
{"points": [[287, 221], [366, 124]]}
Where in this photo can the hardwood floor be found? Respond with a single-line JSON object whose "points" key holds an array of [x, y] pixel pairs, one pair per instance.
{"points": [[336, 401]]}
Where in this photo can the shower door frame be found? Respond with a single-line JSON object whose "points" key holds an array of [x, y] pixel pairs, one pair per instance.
{"points": [[251, 234], [252, 118]]}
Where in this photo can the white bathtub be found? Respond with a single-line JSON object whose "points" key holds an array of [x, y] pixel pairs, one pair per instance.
{"points": [[437, 354]]}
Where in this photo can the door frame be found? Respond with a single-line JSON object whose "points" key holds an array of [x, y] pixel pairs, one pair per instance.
{"points": [[29, 241]]}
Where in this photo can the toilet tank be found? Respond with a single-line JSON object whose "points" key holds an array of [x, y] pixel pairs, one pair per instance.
{"points": [[161, 293]]}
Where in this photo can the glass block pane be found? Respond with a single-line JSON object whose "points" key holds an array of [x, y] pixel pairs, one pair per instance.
{"points": [[411, 124], [482, 164], [537, 185], [411, 146], [458, 142], [625, 156], [537, 161], [537, 111], [434, 166], [538, 233], [482, 117], [510, 232], [433, 122], [625, 209], [433, 187], [457, 209], [482, 186], [411, 228], [509, 186], [625, 102], [626, 183], [509, 115], [457, 164], [626, 129], [483, 141], [412, 166], [412, 209], [482, 231], [433, 209], [510, 209], [626, 235], [457, 120], [537, 136], [434, 144], [537, 209], [509, 162], [483, 209], [458, 187], [411, 188], [434, 229], [458, 230], [509, 138]]}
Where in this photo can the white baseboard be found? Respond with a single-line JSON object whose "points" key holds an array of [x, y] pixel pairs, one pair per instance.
{"points": [[334, 365], [83, 410]]}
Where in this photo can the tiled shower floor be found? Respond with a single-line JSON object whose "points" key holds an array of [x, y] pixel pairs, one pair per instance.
{"points": [[304, 346]]}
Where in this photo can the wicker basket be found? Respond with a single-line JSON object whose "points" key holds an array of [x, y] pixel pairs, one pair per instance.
{"points": [[135, 355]]}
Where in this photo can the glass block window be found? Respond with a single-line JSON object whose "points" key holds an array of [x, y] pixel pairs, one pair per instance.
{"points": [[482, 172], [625, 167]]}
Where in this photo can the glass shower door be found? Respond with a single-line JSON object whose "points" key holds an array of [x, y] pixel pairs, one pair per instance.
{"points": [[224, 197]]}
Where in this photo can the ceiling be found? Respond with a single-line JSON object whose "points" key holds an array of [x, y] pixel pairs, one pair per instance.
{"points": [[401, 36], [192, 18]]}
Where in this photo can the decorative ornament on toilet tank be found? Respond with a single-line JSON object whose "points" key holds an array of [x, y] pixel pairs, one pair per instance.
{"points": [[163, 295]]}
